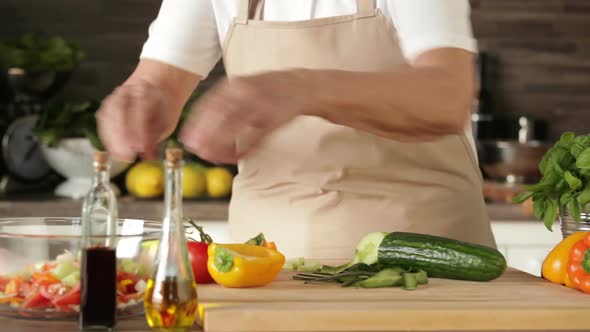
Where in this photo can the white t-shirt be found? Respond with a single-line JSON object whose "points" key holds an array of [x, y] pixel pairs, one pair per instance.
{"points": [[189, 33]]}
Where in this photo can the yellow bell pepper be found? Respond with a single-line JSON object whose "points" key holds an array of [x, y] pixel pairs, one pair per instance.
{"points": [[554, 266], [243, 265]]}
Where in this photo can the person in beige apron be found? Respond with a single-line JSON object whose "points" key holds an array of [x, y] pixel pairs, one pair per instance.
{"points": [[316, 187]]}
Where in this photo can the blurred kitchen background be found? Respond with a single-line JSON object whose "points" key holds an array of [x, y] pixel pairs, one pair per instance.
{"points": [[534, 70]]}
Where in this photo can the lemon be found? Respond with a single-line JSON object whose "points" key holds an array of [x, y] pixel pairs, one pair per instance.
{"points": [[219, 181], [194, 183], [145, 179]]}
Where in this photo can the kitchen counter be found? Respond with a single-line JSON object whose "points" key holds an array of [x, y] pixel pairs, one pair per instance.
{"points": [[214, 210], [515, 301], [129, 207]]}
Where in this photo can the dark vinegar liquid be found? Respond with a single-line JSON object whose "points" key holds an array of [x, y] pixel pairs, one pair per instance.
{"points": [[98, 302]]}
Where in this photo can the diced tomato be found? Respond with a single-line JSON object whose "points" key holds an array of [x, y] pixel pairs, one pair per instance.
{"points": [[3, 282], [71, 297], [24, 289], [270, 245], [35, 300], [52, 291]]}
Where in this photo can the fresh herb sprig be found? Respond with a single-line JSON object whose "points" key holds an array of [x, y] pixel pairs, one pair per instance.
{"points": [[565, 183]]}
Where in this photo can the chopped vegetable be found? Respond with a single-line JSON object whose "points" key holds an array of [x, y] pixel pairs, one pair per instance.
{"points": [[410, 281], [383, 278], [302, 265], [71, 279], [55, 285], [63, 269]]}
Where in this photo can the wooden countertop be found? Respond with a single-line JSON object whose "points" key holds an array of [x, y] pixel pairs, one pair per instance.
{"points": [[130, 207], [515, 301]]}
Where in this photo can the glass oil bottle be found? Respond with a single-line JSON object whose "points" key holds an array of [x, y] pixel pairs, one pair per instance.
{"points": [[171, 294], [98, 299]]}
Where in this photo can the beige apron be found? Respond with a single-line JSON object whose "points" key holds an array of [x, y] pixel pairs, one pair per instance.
{"points": [[314, 187]]}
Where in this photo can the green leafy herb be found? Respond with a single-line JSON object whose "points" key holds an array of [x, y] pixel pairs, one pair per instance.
{"points": [[566, 180], [61, 120], [35, 53]]}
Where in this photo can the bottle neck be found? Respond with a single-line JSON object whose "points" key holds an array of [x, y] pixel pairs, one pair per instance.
{"points": [[101, 176], [173, 198]]}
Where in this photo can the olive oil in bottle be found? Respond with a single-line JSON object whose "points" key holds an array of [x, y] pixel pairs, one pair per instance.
{"points": [[171, 294], [98, 300]]}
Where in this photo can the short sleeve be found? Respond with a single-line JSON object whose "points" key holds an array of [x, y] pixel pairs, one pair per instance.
{"points": [[426, 24], [184, 35]]}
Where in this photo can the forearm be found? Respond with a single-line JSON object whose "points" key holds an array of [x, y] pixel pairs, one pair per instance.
{"points": [[409, 104], [177, 83]]}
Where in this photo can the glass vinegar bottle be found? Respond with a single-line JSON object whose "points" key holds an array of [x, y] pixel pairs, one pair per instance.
{"points": [[171, 294], [98, 274]]}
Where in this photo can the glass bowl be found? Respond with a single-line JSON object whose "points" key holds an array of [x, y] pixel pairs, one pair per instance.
{"points": [[36, 252]]}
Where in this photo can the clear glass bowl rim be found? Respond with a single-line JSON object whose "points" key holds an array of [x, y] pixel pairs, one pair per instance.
{"points": [[42, 221]]}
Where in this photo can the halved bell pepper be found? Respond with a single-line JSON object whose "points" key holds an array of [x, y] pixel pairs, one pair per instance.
{"points": [[554, 266], [578, 268], [243, 265]]}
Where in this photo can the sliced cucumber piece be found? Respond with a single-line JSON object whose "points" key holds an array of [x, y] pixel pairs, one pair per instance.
{"points": [[410, 281], [422, 277], [383, 278], [72, 279], [63, 269]]}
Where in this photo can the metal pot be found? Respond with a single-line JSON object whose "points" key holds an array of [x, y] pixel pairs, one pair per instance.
{"points": [[569, 226], [511, 161]]}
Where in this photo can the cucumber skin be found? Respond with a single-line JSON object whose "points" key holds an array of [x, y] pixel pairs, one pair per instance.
{"points": [[441, 257]]}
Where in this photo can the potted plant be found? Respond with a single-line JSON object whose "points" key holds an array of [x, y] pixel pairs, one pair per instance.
{"points": [[37, 67], [68, 136], [564, 190]]}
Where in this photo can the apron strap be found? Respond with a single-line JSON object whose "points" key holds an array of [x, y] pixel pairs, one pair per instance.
{"points": [[365, 8], [250, 9]]}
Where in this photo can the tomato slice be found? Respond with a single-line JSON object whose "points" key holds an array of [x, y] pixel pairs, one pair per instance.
{"points": [[71, 297], [35, 300]]}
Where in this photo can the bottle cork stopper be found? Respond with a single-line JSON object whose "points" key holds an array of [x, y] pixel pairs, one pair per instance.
{"points": [[100, 159], [174, 156]]}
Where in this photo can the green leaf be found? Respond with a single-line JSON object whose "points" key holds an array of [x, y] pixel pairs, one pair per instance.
{"points": [[523, 197], [584, 197], [550, 214], [572, 180], [567, 138], [583, 160], [539, 206], [574, 208], [565, 198]]}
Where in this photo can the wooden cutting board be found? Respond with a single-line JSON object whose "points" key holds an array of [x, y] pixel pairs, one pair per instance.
{"points": [[515, 301]]}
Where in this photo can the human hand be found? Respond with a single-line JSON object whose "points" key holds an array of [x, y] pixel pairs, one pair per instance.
{"points": [[134, 118], [249, 107]]}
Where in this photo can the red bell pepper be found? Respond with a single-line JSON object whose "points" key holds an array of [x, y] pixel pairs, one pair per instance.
{"points": [[578, 268]]}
